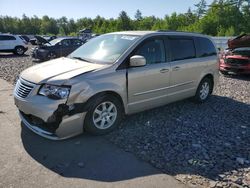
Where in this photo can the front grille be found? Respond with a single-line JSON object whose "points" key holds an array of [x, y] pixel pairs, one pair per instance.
{"points": [[236, 61], [23, 88]]}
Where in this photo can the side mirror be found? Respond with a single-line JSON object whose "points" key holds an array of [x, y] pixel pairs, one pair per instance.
{"points": [[137, 61]]}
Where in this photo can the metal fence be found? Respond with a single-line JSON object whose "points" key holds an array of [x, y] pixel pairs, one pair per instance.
{"points": [[221, 42]]}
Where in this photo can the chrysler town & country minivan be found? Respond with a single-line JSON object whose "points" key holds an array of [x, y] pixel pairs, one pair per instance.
{"points": [[112, 75]]}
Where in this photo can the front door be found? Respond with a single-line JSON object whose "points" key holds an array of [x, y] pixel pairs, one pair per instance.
{"points": [[147, 85]]}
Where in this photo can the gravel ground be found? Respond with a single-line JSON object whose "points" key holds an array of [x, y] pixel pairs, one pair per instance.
{"points": [[205, 145]]}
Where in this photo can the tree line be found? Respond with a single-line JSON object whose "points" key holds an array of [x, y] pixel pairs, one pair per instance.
{"points": [[221, 18]]}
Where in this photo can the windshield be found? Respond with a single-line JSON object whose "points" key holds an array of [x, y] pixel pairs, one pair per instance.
{"points": [[53, 42], [105, 48]]}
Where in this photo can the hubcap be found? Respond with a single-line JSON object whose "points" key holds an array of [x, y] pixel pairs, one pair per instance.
{"points": [[204, 90], [19, 51], [104, 115]]}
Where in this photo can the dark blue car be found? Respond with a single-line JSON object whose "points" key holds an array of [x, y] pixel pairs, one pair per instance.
{"points": [[56, 48]]}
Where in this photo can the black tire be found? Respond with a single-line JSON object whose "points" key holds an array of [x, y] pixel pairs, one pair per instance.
{"points": [[201, 96], [19, 50], [51, 55], [95, 103]]}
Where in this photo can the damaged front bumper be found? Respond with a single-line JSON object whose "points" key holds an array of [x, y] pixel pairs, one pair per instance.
{"points": [[52, 119]]}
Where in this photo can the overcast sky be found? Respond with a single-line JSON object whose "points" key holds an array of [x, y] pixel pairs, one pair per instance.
{"points": [[85, 8]]}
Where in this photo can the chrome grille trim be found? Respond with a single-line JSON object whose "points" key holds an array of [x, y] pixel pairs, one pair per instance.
{"points": [[23, 88]]}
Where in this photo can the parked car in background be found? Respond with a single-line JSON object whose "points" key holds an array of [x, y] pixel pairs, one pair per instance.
{"points": [[12, 43], [235, 61], [236, 58], [56, 48], [112, 75]]}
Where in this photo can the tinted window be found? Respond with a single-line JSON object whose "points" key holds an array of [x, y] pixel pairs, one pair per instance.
{"points": [[65, 43], [76, 42], [181, 48], [153, 51], [3, 37], [206, 47]]}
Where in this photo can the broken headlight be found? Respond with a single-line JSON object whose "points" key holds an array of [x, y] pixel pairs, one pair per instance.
{"points": [[54, 92]]}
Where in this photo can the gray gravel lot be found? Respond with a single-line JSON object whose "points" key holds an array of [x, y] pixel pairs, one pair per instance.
{"points": [[204, 145]]}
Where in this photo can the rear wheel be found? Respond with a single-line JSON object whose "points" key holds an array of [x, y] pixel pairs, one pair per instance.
{"points": [[19, 50], [204, 90], [104, 115]]}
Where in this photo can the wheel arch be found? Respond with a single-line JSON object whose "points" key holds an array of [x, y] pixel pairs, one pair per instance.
{"points": [[107, 93]]}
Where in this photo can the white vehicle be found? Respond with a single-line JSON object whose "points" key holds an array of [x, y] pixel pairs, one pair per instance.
{"points": [[12, 43]]}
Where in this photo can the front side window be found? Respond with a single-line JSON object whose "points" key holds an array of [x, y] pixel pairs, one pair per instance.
{"points": [[105, 48], [65, 43], [153, 51], [181, 48]]}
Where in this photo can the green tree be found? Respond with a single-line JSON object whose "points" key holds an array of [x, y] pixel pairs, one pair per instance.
{"points": [[124, 22], [138, 15], [201, 8]]}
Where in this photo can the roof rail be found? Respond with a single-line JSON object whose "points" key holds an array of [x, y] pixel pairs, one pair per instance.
{"points": [[177, 31]]}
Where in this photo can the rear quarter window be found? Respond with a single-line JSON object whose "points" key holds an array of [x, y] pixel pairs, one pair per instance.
{"points": [[6, 37], [182, 48], [205, 47]]}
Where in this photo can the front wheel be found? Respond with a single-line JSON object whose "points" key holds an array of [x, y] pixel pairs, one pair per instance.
{"points": [[204, 90], [104, 115]]}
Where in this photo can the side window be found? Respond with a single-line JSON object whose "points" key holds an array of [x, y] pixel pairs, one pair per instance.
{"points": [[205, 47], [65, 43], [153, 51], [76, 42], [181, 48], [6, 37]]}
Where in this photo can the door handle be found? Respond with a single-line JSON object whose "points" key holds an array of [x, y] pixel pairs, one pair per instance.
{"points": [[176, 68], [164, 70]]}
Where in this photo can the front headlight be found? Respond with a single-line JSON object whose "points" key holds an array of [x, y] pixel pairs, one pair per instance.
{"points": [[54, 92]]}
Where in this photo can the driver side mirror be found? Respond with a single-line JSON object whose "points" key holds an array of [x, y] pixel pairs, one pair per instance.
{"points": [[137, 61]]}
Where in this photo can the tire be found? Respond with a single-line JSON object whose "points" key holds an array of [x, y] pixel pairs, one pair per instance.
{"points": [[51, 55], [204, 90], [19, 50], [98, 120]]}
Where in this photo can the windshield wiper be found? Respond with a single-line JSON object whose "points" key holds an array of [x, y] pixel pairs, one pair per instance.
{"points": [[80, 58]]}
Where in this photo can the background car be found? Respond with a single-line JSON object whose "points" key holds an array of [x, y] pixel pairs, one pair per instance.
{"points": [[12, 43], [55, 48], [236, 61]]}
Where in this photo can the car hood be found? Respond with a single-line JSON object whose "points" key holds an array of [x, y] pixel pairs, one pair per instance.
{"points": [[41, 40], [58, 71]]}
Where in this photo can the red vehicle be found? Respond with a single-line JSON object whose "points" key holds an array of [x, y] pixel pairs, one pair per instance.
{"points": [[236, 61]]}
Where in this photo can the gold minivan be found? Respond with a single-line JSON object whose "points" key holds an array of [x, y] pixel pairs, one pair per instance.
{"points": [[112, 75]]}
